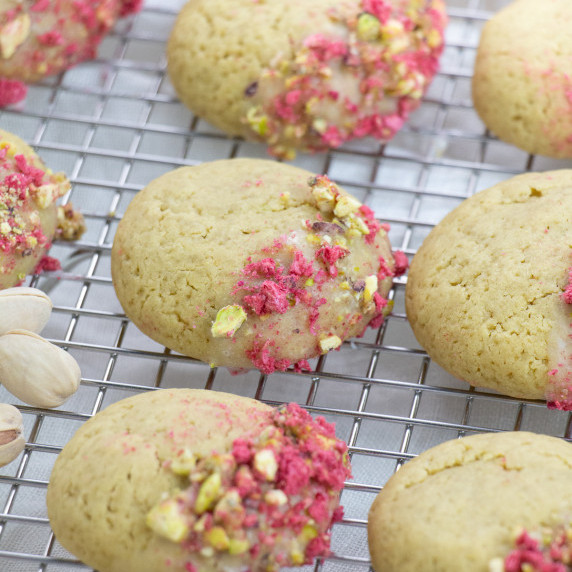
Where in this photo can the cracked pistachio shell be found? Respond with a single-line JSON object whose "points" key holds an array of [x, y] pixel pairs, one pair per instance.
{"points": [[24, 308], [36, 371], [12, 440]]}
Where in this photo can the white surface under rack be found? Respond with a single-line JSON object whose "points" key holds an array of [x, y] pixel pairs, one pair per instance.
{"points": [[114, 124]]}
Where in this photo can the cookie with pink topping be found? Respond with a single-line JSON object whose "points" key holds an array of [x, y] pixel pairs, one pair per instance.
{"points": [[497, 502], [192, 480], [39, 38], [489, 296], [251, 263], [305, 74], [29, 216], [522, 85]]}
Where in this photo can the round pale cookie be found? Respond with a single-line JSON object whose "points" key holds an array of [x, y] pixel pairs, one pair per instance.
{"points": [[477, 504], [28, 211], [39, 38], [522, 85], [305, 74], [251, 263], [486, 292], [191, 480]]}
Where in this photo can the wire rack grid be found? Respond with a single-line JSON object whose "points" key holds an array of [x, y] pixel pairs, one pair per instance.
{"points": [[113, 125]]}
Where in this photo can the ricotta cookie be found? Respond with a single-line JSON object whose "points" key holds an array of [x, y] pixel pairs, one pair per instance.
{"points": [[193, 480], [522, 85], [28, 211], [485, 503], [305, 74], [40, 38], [488, 292], [251, 263]]}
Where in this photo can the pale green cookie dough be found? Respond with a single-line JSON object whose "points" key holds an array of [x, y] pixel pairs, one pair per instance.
{"points": [[305, 74], [100, 514], [190, 480], [250, 263], [522, 85], [460, 505], [485, 292]]}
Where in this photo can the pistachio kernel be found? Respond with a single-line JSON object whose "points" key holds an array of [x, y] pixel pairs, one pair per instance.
{"points": [[257, 121], [329, 343], [276, 497], [184, 463], [217, 538], [265, 463], [309, 532], [208, 493], [368, 27], [371, 283], [356, 224], [227, 321], [237, 546], [166, 520], [13, 35]]}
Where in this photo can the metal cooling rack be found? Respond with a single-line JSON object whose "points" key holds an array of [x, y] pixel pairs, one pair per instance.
{"points": [[113, 125]]}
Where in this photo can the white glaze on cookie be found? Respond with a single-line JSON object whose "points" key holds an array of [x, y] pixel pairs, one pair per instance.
{"points": [[547, 549], [268, 502], [360, 77], [559, 387]]}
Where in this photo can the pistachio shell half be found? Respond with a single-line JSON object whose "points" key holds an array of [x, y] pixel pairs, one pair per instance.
{"points": [[36, 371], [12, 440], [24, 308]]}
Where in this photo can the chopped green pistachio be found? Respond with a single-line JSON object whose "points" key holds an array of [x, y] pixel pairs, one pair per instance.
{"points": [[329, 343], [297, 557], [324, 197], [370, 288], [184, 463], [166, 520], [320, 125], [217, 538], [357, 224], [276, 497], [265, 463], [346, 205], [309, 532], [228, 320], [238, 546], [13, 35], [208, 493], [368, 27], [257, 121]]}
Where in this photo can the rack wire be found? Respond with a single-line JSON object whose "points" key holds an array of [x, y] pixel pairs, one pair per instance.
{"points": [[114, 124]]}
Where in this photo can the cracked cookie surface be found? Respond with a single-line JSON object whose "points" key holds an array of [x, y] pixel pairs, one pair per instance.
{"points": [[522, 85], [486, 293], [464, 503], [250, 263]]}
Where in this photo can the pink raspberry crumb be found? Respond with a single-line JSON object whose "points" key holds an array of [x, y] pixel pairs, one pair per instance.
{"points": [[11, 91]]}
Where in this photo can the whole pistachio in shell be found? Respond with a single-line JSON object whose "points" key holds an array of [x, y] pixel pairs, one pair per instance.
{"points": [[24, 308], [12, 440], [36, 371]]}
